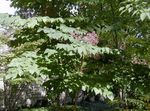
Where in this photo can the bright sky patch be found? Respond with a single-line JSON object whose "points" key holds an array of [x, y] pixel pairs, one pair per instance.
{"points": [[5, 7]]}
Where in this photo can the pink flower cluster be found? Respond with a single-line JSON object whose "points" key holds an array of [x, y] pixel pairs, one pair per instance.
{"points": [[90, 37]]}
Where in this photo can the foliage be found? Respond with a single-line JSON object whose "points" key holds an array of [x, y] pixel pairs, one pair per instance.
{"points": [[137, 7], [103, 46], [59, 55]]}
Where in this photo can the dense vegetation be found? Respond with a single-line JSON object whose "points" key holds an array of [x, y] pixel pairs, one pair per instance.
{"points": [[99, 46]]}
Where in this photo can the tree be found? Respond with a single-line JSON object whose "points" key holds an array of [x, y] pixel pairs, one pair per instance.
{"points": [[61, 47]]}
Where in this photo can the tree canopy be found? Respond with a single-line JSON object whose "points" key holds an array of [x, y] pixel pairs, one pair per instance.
{"points": [[100, 46]]}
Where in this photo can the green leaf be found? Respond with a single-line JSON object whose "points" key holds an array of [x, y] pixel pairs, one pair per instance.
{"points": [[50, 52], [143, 16], [97, 90]]}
